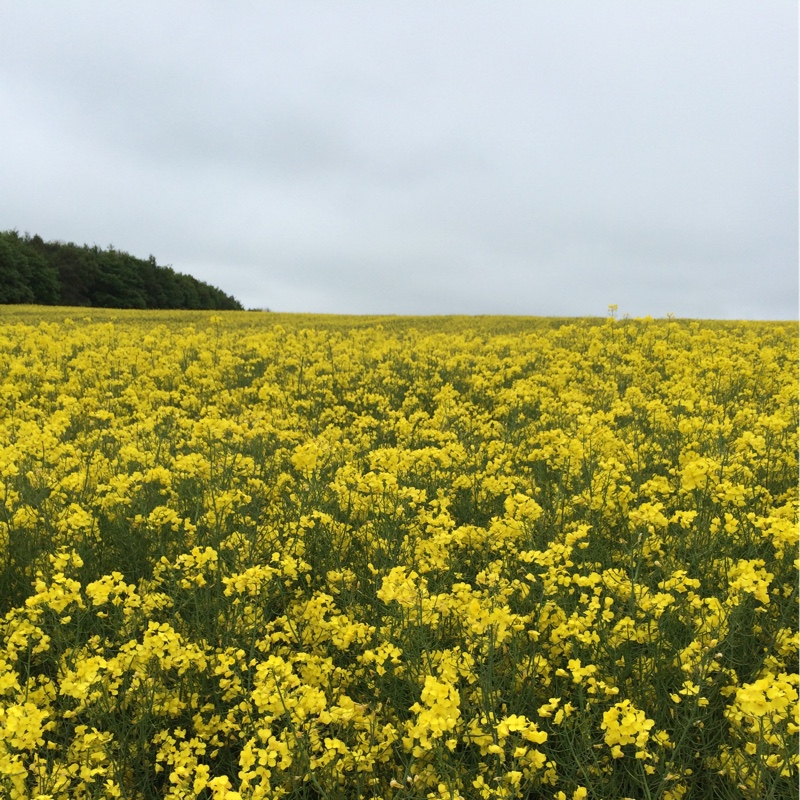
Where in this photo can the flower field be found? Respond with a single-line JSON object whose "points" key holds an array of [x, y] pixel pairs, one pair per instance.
{"points": [[270, 556]]}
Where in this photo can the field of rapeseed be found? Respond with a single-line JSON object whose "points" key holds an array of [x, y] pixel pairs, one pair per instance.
{"points": [[261, 556]]}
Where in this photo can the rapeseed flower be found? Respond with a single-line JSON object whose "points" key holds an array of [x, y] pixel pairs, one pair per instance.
{"points": [[249, 556]]}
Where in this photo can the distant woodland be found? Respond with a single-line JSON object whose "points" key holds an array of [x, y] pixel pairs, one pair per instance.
{"points": [[55, 273]]}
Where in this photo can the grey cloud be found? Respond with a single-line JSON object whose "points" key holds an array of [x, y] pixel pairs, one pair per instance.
{"points": [[419, 157]]}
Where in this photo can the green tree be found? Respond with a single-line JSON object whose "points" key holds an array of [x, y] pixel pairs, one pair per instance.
{"points": [[35, 271], [14, 274]]}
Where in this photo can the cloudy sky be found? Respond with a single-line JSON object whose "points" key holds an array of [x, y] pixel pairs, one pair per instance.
{"points": [[546, 157]]}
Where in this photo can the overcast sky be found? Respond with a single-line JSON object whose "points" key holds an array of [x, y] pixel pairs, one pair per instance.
{"points": [[543, 157]]}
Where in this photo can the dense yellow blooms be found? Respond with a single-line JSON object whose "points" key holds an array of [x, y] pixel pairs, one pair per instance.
{"points": [[251, 556]]}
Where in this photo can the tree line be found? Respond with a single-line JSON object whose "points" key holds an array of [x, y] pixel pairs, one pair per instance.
{"points": [[59, 273]]}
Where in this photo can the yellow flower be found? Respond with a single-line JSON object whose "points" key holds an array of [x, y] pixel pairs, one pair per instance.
{"points": [[624, 724]]}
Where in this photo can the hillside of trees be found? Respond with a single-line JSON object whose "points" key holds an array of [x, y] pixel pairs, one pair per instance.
{"points": [[66, 274]]}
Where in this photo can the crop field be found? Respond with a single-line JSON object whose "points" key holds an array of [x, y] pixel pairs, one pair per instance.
{"points": [[252, 555]]}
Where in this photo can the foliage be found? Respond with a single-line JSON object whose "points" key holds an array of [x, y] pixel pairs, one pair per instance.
{"points": [[57, 273], [257, 556]]}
